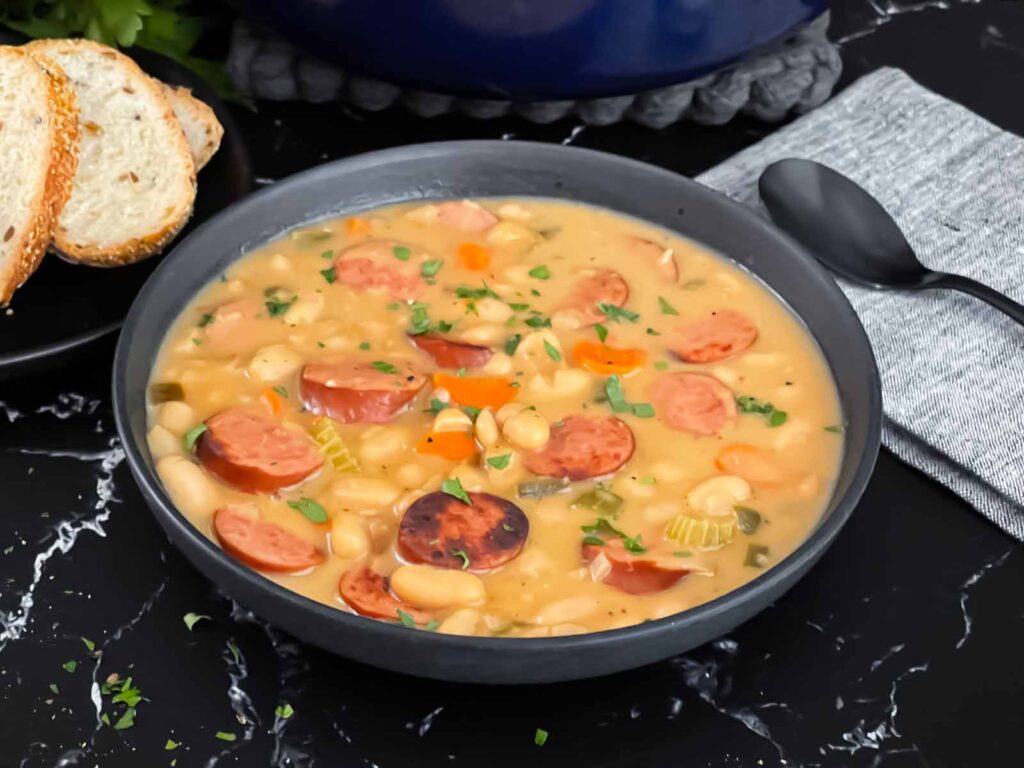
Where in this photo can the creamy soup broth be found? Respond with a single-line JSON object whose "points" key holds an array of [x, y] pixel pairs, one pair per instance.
{"points": [[521, 301]]}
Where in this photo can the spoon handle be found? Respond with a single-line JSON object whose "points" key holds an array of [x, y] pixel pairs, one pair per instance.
{"points": [[1004, 304]]}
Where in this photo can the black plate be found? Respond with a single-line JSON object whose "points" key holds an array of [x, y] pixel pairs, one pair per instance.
{"points": [[483, 169], [65, 306]]}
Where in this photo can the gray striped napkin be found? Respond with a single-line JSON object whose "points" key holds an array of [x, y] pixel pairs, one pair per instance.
{"points": [[952, 368]]}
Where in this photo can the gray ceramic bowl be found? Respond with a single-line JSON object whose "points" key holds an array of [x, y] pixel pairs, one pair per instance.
{"points": [[481, 169]]}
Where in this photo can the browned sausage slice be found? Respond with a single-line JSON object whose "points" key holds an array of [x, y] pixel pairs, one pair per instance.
{"points": [[441, 530], [360, 390], [633, 574], [239, 327], [386, 264], [582, 447], [452, 354], [254, 452], [367, 593], [262, 545], [605, 286], [693, 402], [650, 254], [719, 336], [466, 215]]}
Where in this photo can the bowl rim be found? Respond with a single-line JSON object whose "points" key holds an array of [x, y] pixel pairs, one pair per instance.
{"points": [[793, 564]]}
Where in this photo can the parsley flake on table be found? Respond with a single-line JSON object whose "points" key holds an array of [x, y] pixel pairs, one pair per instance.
{"points": [[225, 736], [284, 710], [540, 737], [191, 619], [70, 666]]}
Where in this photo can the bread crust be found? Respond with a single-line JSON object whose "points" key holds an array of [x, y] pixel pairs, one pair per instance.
{"points": [[138, 248], [202, 114], [62, 162]]}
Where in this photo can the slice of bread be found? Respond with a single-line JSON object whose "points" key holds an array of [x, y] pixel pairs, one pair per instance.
{"points": [[38, 155], [202, 128], [136, 181]]}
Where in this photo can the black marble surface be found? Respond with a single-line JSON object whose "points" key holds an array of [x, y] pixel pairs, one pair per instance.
{"points": [[901, 648]]}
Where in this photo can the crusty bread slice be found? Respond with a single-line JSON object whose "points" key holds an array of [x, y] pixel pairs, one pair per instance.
{"points": [[38, 155], [202, 128], [136, 181]]}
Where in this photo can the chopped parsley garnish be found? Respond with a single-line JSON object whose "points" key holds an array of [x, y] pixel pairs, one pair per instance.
{"points": [[383, 367], [499, 462], [683, 553], [420, 321], [834, 428], [282, 392], [748, 404], [618, 314], [647, 480], [310, 509], [393, 306], [402, 252], [553, 353], [519, 307], [617, 400], [171, 744], [538, 321], [541, 273], [191, 619], [443, 326], [436, 406], [601, 331], [189, 440], [278, 300], [593, 541], [431, 625], [70, 666], [284, 710], [461, 554], [330, 274], [406, 619], [534, 292], [602, 526], [321, 344], [365, 346], [661, 365], [652, 332], [205, 320], [453, 487], [225, 736], [471, 411], [197, 342], [466, 292], [328, 254], [666, 308], [431, 268], [512, 344], [540, 737]]}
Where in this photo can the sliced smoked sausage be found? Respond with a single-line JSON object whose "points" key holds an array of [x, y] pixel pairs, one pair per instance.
{"points": [[360, 390], [604, 286], [385, 264], [452, 354], [255, 452], [652, 255], [721, 335], [466, 215], [442, 530], [368, 593], [262, 545], [632, 573], [693, 402], [582, 447]]}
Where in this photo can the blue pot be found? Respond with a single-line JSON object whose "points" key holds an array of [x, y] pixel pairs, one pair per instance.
{"points": [[535, 49]]}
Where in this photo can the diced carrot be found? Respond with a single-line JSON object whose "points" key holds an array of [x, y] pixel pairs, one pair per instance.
{"points": [[757, 465], [473, 256], [477, 392], [272, 401], [449, 445], [357, 226], [606, 360]]}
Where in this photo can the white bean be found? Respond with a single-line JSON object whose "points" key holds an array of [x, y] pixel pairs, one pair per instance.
{"points": [[452, 420], [349, 538], [462, 622], [507, 411], [510, 233], [570, 382], [427, 587], [424, 214], [382, 445], [485, 333], [567, 609], [515, 212], [718, 495], [527, 429], [162, 442], [187, 484], [410, 475], [176, 417], [500, 364], [273, 363], [493, 310], [668, 471], [280, 263], [486, 428], [361, 492], [305, 309]]}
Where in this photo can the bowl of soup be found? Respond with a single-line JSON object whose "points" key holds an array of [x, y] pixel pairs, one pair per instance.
{"points": [[497, 412]]}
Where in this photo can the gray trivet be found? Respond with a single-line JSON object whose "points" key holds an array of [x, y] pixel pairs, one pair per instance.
{"points": [[952, 367], [795, 76]]}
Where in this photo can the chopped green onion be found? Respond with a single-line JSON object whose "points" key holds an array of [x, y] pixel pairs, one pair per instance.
{"points": [[466, 292], [225, 736], [643, 410], [189, 440], [453, 487], [171, 744], [436, 406], [538, 321], [461, 554], [235, 653], [54, 689], [748, 404], [310, 509], [540, 737]]}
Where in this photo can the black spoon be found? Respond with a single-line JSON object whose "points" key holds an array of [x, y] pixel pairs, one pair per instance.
{"points": [[853, 235]]}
